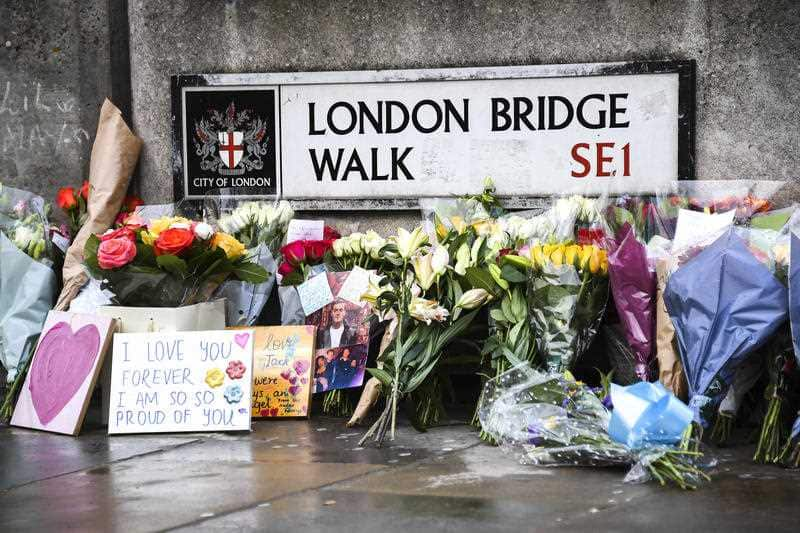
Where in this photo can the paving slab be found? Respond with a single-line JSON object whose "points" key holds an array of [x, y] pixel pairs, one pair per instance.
{"points": [[300, 475]]}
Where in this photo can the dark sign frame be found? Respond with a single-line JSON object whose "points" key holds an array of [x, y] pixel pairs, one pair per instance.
{"points": [[686, 70]]}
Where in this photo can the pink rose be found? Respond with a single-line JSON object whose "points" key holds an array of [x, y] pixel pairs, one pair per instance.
{"points": [[119, 233], [115, 253]]}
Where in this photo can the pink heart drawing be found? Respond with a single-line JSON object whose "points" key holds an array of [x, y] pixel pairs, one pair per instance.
{"points": [[241, 339], [286, 374], [61, 364], [294, 389]]}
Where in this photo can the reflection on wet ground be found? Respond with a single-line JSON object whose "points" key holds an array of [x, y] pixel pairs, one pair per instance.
{"points": [[302, 475]]}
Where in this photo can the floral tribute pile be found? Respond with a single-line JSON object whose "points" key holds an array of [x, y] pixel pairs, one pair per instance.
{"points": [[602, 331]]}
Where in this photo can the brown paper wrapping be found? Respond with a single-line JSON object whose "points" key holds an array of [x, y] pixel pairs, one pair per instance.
{"points": [[114, 155], [670, 369]]}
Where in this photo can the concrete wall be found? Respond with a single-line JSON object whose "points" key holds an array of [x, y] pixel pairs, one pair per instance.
{"points": [[75, 53], [56, 61], [748, 90]]}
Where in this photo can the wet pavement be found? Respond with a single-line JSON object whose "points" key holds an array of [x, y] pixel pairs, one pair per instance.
{"points": [[312, 475]]}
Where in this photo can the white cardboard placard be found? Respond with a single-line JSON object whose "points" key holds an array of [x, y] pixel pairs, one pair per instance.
{"points": [[181, 381]]}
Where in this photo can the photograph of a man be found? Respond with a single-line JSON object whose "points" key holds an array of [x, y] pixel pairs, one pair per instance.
{"points": [[338, 332]]}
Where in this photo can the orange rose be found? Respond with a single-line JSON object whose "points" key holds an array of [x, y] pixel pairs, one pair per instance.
{"points": [[65, 199], [173, 241], [85, 190]]}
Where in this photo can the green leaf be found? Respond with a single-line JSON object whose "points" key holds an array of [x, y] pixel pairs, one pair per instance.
{"points": [[519, 306], [250, 273], [90, 252], [481, 279], [293, 278], [509, 273], [173, 264], [383, 376], [498, 315]]}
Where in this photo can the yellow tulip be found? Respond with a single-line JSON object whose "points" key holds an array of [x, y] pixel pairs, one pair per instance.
{"points": [[557, 257], [594, 261], [603, 262], [586, 254], [547, 249], [570, 253], [537, 255]]}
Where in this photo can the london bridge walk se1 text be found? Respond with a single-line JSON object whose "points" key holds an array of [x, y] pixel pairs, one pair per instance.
{"points": [[388, 117]]}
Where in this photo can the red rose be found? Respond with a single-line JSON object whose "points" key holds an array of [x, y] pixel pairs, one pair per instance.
{"points": [[119, 233], [294, 253], [115, 253], [173, 241], [285, 269], [65, 199], [85, 189], [330, 234], [130, 203], [315, 250]]}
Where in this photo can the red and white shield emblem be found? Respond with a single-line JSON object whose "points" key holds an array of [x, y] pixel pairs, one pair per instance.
{"points": [[231, 148]]}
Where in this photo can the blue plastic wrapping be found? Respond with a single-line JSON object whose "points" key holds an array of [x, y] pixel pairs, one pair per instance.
{"points": [[724, 304]]}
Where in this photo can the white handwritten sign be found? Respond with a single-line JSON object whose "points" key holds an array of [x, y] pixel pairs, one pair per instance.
{"points": [[181, 381], [315, 293], [355, 285], [305, 230]]}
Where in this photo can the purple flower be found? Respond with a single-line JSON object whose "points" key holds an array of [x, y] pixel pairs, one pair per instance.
{"points": [[535, 434], [607, 402]]}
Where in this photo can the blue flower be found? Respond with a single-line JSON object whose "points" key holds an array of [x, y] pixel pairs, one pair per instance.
{"points": [[233, 393]]}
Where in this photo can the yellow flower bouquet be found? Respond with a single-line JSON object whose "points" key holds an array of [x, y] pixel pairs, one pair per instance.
{"points": [[567, 294]]}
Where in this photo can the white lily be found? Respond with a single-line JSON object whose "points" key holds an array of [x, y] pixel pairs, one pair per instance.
{"points": [[427, 310], [423, 268], [409, 242], [473, 298], [462, 259]]}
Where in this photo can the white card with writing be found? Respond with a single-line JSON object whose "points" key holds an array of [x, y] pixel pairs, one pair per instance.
{"points": [[181, 381], [305, 230], [315, 293], [355, 285], [695, 228]]}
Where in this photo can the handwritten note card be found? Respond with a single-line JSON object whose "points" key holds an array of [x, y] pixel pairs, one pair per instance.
{"points": [[283, 359], [315, 293], [182, 381], [305, 230], [355, 285]]}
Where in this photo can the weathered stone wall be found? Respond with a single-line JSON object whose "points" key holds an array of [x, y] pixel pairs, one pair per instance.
{"points": [[56, 60]]}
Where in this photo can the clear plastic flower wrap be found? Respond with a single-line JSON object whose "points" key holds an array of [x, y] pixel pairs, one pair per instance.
{"points": [[549, 419], [28, 282], [261, 226]]}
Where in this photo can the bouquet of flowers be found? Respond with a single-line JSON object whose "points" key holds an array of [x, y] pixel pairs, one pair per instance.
{"points": [[167, 262], [550, 419], [424, 297], [725, 303], [28, 281], [74, 203], [567, 293], [301, 258], [261, 228]]}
